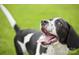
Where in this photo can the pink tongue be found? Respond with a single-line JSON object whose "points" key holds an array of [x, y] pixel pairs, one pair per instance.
{"points": [[46, 39]]}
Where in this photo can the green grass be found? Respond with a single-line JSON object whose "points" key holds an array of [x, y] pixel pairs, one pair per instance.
{"points": [[29, 16]]}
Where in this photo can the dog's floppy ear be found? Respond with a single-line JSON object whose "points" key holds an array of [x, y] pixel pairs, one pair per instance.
{"points": [[72, 38], [71, 34], [63, 32]]}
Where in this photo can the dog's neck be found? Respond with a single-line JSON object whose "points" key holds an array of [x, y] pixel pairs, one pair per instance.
{"points": [[57, 49]]}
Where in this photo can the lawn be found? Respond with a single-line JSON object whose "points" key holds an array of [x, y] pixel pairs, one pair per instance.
{"points": [[29, 16]]}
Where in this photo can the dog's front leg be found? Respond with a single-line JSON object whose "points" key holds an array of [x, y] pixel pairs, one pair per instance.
{"points": [[38, 49]]}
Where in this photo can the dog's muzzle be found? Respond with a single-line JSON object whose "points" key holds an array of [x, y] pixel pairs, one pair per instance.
{"points": [[49, 38]]}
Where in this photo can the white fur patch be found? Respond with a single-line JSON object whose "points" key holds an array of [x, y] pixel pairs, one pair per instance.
{"points": [[22, 45], [38, 49], [57, 49], [27, 38], [51, 26]]}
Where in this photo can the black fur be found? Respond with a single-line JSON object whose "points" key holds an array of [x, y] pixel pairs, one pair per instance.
{"points": [[16, 28], [31, 45], [62, 29], [67, 34], [72, 39]]}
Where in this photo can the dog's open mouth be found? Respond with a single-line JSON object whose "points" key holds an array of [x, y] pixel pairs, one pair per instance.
{"points": [[49, 38]]}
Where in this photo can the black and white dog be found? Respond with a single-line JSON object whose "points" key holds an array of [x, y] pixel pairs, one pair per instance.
{"points": [[56, 37]]}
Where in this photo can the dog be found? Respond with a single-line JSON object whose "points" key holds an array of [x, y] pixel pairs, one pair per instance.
{"points": [[67, 38], [56, 37]]}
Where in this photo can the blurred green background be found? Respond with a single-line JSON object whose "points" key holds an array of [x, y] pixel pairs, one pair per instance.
{"points": [[29, 16]]}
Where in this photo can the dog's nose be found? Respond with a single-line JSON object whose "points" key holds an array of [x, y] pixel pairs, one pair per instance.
{"points": [[44, 22]]}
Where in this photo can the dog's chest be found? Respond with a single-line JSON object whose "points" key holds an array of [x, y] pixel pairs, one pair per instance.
{"points": [[57, 49]]}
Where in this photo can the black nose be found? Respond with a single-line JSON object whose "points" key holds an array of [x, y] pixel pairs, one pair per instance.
{"points": [[44, 22]]}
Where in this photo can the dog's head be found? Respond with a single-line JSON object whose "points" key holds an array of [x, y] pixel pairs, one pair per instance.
{"points": [[56, 29]]}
